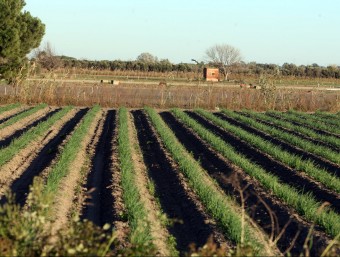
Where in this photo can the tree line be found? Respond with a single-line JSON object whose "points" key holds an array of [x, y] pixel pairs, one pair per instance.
{"points": [[251, 68]]}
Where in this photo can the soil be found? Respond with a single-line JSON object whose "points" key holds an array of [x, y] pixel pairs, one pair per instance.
{"points": [[265, 209], [16, 130], [48, 153], [190, 223], [98, 207], [104, 203], [285, 173], [159, 233], [67, 189], [332, 167], [13, 169], [9, 114]]}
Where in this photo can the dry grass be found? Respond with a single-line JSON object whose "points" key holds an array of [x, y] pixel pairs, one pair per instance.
{"points": [[61, 93]]}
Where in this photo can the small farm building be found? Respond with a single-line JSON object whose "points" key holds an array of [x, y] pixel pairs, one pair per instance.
{"points": [[211, 74]]}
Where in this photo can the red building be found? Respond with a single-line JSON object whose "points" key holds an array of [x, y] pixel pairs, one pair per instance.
{"points": [[211, 74]]}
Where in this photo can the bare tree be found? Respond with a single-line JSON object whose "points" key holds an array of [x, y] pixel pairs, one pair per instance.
{"points": [[223, 56], [47, 58]]}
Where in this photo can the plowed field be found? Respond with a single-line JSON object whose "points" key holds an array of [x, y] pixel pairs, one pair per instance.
{"points": [[174, 178]]}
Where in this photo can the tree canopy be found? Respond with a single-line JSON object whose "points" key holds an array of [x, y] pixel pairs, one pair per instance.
{"points": [[20, 32]]}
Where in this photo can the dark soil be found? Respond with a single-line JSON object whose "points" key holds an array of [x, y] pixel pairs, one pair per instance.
{"points": [[231, 180], [7, 141], [189, 222], [285, 174], [15, 114], [99, 206], [20, 186], [325, 164]]}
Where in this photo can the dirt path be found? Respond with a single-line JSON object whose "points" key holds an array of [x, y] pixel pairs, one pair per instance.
{"points": [[21, 161], [67, 190], [285, 173], [265, 209], [190, 223], [47, 154]]}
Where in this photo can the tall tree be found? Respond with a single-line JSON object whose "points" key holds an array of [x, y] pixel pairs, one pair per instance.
{"points": [[223, 56], [20, 32]]}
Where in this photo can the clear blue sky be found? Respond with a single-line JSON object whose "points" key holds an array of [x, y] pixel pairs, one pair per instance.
{"points": [[265, 31]]}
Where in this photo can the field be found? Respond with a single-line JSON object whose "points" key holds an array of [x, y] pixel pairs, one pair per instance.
{"points": [[165, 93], [166, 179]]}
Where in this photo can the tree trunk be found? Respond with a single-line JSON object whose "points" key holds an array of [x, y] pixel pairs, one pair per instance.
{"points": [[225, 73]]}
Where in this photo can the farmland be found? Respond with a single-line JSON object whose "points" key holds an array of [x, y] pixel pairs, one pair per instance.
{"points": [[268, 183]]}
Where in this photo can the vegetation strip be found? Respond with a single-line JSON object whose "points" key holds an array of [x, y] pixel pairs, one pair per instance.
{"points": [[7, 153], [69, 195], [8, 107], [275, 151], [331, 140], [140, 233], [22, 115], [306, 120], [287, 137], [327, 118], [62, 167], [217, 204], [304, 204]]}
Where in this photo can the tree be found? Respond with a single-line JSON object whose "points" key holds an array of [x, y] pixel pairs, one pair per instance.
{"points": [[223, 56], [147, 58], [19, 34], [47, 58]]}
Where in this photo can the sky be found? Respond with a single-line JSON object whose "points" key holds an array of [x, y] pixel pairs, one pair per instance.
{"points": [[302, 32]]}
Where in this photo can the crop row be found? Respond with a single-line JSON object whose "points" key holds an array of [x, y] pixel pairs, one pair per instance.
{"points": [[287, 137], [305, 120], [275, 151], [231, 218]]}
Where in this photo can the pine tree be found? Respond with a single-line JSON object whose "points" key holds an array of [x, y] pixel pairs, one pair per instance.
{"points": [[20, 32]]}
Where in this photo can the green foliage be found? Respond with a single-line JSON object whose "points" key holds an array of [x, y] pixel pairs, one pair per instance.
{"points": [[294, 161], [62, 166], [310, 121], [218, 205], [19, 34], [8, 107], [22, 115], [137, 215], [27, 232], [19, 143], [304, 204], [289, 138]]}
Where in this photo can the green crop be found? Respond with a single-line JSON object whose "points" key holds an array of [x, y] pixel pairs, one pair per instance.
{"points": [[19, 143], [294, 161], [22, 115], [137, 214], [287, 137], [218, 205], [303, 203]]}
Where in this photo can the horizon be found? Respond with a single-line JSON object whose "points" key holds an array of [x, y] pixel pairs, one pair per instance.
{"points": [[277, 32]]}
